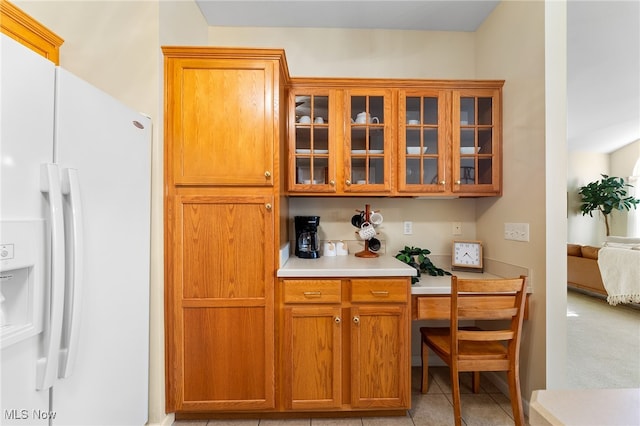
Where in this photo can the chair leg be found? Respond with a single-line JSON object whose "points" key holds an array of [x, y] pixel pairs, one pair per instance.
{"points": [[425, 368], [475, 382], [455, 395], [516, 399]]}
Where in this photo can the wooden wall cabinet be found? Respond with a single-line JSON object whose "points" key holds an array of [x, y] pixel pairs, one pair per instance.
{"points": [[341, 140], [346, 344], [223, 225], [419, 138], [26, 30]]}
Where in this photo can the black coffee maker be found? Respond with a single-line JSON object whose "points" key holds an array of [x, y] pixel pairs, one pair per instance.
{"points": [[307, 242]]}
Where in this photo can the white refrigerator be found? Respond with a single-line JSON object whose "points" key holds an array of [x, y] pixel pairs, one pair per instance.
{"points": [[75, 172]]}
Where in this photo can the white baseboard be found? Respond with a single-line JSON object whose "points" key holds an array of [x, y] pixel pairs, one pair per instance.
{"points": [[166, 421]]}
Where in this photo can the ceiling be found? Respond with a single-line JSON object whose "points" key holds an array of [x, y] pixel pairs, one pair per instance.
{"points": [[603, 48]]}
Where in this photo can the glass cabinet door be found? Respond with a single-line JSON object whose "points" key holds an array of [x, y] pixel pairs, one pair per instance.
{"points": [[476, 153], [312, 167], [422, 141], [368, 141]]}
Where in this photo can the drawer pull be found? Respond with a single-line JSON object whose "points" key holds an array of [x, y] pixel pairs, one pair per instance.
{"points": [[380, 293], [312, 294], [356, 320], [337, 320]]}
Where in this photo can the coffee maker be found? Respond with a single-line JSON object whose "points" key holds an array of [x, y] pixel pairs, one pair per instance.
{"points": [[307, 243]]}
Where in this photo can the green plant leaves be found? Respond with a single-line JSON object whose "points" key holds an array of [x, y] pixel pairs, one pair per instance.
{"points": [[417, 257], [606, 195]]}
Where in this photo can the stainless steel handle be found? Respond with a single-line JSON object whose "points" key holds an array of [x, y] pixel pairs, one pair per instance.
{"points": [[356, 320]]}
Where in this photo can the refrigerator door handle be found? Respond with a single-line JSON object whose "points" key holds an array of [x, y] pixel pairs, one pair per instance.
{"points": [[75, 251], [47, 365]]}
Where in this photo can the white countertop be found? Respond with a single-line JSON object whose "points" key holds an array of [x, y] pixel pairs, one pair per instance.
{"points": [[442, 284], [346, 266], [383, 266], [584, 407]]}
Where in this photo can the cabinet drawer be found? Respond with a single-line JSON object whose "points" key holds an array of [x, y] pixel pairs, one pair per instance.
{"points": [[312, 291], [378, 290]]}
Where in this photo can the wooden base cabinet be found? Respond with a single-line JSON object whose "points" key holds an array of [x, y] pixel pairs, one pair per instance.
{"points": [[345, 344]]}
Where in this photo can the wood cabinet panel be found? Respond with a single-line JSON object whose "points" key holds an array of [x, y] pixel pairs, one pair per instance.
{"points": [[227, 358], [312, 366], [227, 246], [316, 291], [379, 290], [223, 116], [380, 342]]}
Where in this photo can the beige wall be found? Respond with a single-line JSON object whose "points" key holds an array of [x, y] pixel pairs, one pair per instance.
{"points": [[510, 45], [622, 163], [584, 167]]}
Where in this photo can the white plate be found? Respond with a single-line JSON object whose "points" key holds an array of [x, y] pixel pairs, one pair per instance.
{"points": [[468, 149], [364, 151], [315, 151], [416, 150]]}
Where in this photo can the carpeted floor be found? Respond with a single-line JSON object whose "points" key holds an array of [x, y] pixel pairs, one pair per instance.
{"points": [[603, 343]]}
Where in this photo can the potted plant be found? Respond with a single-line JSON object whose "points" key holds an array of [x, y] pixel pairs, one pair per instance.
{"points": [[417, 257], [606, 195]]}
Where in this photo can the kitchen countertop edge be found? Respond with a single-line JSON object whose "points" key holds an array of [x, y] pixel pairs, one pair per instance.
{"points": [[345, 266]]}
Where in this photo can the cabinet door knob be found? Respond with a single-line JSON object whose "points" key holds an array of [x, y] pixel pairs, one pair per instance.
{"points": [[268, 206], [356, 320], [442, 182], [337, 320], [267, 174], [332, 182], [457, 182], [348, 182]]}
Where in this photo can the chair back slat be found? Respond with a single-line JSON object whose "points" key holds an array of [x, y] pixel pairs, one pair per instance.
{"points": [[487, 314], [485, 335]]}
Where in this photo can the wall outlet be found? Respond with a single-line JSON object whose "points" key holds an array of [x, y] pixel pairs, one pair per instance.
{"points": [[408, 228], [516, 231], [456, 228]]}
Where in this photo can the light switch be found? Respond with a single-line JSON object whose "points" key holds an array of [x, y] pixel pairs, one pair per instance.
{"points": [[408, 228]]}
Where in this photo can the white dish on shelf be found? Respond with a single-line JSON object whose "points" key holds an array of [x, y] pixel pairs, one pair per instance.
{"points": [[469, 149], [315, 151], [308, 182], [416, 150], [364, 151]]}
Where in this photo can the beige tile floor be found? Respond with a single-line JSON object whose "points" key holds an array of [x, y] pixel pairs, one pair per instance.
{"points": [[489, 407]]}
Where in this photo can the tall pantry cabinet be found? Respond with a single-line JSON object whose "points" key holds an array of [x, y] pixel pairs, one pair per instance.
{"points": [[225, 218]]}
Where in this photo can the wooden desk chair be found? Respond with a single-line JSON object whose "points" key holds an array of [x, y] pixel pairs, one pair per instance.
{"points": [[473, 349]]}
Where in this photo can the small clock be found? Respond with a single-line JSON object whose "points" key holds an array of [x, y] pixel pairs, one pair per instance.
{"points": [[467, 256]]}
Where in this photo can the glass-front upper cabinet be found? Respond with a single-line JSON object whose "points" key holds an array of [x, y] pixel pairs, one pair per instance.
{"points": [[312, 153], [477, 141], [422, 140], [368, 141]]}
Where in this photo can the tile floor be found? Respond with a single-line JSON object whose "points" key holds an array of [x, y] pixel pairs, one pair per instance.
{"points": [[489, 407]]}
